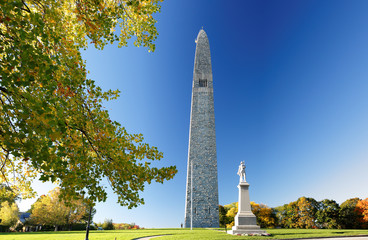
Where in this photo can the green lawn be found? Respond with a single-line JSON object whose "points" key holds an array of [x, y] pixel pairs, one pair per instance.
{"points": [[173, 233]]}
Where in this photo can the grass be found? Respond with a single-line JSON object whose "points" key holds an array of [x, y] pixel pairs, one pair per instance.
{"points": [[172, 233]]}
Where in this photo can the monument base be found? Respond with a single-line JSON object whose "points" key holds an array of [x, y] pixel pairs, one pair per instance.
{"points": [[245, 218], [246, 229], [246, 223]]}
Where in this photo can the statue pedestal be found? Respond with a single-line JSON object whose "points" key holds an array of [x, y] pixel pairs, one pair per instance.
{"points": [[245, 220]]}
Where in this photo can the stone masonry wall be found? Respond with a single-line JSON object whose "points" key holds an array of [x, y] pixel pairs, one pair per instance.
{"points": [[202, 143]]}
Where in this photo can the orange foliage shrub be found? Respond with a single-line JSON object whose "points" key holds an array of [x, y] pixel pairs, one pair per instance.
{"points": [[362, 209]]}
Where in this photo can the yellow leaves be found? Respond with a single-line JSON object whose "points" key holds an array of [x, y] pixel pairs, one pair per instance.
{"points": [[232, 211], [52, 210], [9, 213], [27, 174], [2, 179], [54, 102]]}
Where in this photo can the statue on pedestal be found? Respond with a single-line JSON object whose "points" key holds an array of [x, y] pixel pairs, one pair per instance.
{"points": [[245, 221]]}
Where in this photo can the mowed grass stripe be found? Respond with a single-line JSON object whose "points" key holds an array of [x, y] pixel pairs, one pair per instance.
{"points": [[172, 233]]}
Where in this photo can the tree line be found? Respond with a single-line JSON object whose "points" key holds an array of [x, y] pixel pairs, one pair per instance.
{"points": [[305, 213], [49, 212]]}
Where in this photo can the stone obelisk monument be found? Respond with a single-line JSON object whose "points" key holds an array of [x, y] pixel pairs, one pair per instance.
{"points": [[201, 207], [245, 220]]}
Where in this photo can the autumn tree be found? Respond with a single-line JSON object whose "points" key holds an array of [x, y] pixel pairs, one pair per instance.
{"points": [[266, 217], [48, 211], [298, 214], [107, 224], [52, 122], [232, 210], [52, 210], [224, 220], [348, 216], [307, 212], [328, 214], [288, 215], [8, 214], [362, 209]]}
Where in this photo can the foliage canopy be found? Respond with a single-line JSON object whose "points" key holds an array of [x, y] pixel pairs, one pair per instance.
{"points": [[362, 211], [328, 214], [349, 216], [8, 214], [52, 122], [51, 210]]}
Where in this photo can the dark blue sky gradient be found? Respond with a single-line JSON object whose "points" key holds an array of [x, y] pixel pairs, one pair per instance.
{"points": [[290, 87]]}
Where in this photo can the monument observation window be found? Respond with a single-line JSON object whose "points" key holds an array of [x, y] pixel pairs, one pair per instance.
{"points": [[202, 82]]}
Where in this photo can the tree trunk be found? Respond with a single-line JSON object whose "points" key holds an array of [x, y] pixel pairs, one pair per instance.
{"points": [[56, 228]]}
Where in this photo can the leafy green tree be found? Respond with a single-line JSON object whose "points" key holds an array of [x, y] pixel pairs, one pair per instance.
{"points": [[279, 214], [348, 216], [222, 216], [49, 211], [52, 121], [314, 205], [328, 214], [54, 211], [289, 215], [107, 224], [9, 214], [86, 214]]}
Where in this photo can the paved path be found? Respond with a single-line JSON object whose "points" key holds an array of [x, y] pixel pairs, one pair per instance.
{"points": [[147, 238], [339, 238]]}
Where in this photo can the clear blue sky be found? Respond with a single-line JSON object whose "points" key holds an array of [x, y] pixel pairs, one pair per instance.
{"points": [[291, 100]]}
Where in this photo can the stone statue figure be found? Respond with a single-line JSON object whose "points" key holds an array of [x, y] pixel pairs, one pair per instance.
{"points": [[241, 171], [245, 222]]}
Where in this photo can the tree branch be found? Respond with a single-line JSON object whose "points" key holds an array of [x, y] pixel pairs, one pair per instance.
{"points": [[87, 137], [6, 158], [9, 120], [3, 89], [27, 10], [2, 172]]}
